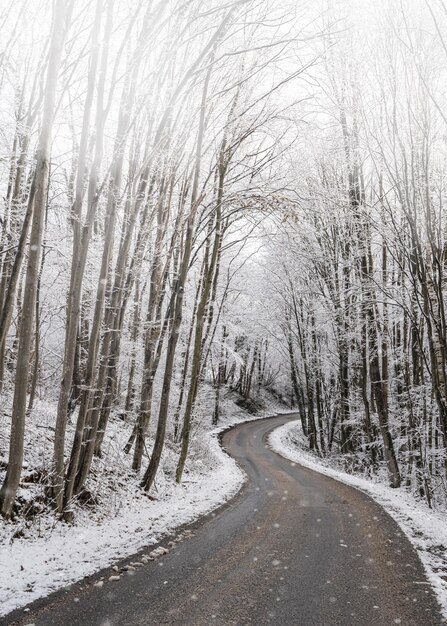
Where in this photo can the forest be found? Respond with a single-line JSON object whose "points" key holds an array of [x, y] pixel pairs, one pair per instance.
{"points": [[217, 206]]}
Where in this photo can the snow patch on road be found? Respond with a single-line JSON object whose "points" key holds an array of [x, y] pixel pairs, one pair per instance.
{"points": [[425, 528]]}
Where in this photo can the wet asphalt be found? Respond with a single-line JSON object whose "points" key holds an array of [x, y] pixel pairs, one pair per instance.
{"points": [[293, 548]]}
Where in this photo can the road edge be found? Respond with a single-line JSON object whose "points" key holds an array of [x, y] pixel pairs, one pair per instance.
{"points": [[438, 584]]}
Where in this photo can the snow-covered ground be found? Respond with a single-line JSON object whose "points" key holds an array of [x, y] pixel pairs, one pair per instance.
{"points": [[426, 529], [44, 555], [34, 567]]}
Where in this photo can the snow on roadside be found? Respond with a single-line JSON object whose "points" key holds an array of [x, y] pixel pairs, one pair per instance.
{"points": [[425, 528], [31, 568]]}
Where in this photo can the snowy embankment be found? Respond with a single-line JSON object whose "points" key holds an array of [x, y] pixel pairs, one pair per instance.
{"points": [[426, 529], [50, 559]]}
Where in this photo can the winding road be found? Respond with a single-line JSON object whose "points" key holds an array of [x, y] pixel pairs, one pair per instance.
{"points": [[293, 548]]}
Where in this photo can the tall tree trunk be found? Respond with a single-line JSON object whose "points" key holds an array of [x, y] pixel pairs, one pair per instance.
{"points": [[61, 19], [81, 239]]}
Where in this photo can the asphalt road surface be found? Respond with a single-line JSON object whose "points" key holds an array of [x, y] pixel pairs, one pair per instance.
{"points": [[293, 548]]}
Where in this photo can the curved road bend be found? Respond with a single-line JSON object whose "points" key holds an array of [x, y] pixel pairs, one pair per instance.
{"points": [[293, 548]]}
